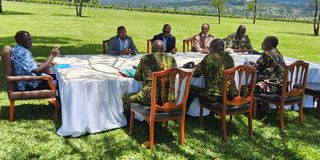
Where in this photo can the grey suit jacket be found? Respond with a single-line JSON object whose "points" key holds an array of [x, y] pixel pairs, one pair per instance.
{"points": [[114, 46]]}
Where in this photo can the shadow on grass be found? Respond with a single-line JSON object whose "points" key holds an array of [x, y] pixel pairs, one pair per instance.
{"points": [[69, 15], [28, 112], [15, 13], [297, 33]]}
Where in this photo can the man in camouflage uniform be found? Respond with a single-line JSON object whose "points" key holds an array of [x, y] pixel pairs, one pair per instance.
{"points": [[239, 41], [201, 42], [212, 67], [149, 63], [270, 68]]}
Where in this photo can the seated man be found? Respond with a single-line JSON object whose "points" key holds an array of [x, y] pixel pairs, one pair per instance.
{"points": [[121, 44], [157, 61], [201, 42], [212, 67], [24, 65], [239, 42], [169, 41], [270, 68]]}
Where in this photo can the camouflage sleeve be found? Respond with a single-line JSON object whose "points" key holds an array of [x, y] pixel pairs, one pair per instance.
{"points": [[249, 46], [230, 62], [229, 43], [261, 62], [200, 68], [138, 75], [174, 63]]}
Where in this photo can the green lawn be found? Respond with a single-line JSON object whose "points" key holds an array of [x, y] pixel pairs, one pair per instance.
{"points": [[33, 134]]}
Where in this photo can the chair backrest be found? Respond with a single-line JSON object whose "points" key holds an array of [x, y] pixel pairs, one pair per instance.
{"points": [[7, 67], [149, 43], [187, 44], [295, 78], [170, 91], [238, 85], [105, 45]]}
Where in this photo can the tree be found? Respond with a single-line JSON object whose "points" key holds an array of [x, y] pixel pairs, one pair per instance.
{"points": [[219, 4], [78, 4], [252, 6], [316, 20], [0, 6]]}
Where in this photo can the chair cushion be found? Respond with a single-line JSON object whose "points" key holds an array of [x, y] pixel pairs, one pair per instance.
{"points": [[217, 107], [38, 94], [313, 88], [276, 98], [145, 111]]}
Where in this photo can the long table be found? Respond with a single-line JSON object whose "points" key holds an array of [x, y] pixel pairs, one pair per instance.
{"points": [[92, 88]]}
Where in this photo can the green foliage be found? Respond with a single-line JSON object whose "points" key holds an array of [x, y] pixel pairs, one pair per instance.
{"points": [[250, 5], [219, 4], [33, 134]]}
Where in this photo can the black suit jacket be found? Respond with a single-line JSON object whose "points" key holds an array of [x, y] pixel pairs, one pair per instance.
{"points": [[171, 42]]}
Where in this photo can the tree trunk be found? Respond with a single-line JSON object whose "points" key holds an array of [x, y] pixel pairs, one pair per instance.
{"points": [[316, 21], [0, 6], [78, 7], [255, 12], [219, 13]]}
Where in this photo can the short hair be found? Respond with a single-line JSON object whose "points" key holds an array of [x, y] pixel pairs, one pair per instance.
{"points": [[166, 25], [205, 24], [241, 27], [121, 28], [217, 44], [273, 40], [20, 35]]}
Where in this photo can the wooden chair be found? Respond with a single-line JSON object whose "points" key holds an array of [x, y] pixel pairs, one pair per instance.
{"points": [[105, 45], [237, 99], [293, 89], [187, 44], [313, 89], [14, 94], [165, 110], [149, 43]]}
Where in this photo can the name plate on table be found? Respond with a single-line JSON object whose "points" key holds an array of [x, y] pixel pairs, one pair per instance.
{"points": [[59, 66]]}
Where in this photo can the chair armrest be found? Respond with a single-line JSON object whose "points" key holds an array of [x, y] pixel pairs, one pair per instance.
{"points": [[33, 78], [28, 78]]}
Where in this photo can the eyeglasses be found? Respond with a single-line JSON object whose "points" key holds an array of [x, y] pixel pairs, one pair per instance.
{"points": [[166, 31]]}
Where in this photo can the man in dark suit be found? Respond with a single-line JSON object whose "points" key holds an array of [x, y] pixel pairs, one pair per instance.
{"points": [[168, 40], [121, 44]]}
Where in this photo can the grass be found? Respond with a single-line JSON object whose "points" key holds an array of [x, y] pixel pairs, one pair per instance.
{"points": [[33, 134]]}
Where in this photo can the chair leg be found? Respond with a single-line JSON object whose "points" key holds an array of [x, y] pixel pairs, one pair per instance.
{"points": [[57, 108], [182, 126], [201, 116], [250, 132], [301, 117], [151, 134], [254, 108], [230, 119], [131, 122], [11, 113], [224, 127], [281, 116], [318, 108]]}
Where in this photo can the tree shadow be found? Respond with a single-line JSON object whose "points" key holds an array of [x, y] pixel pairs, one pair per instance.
{"points": [[8, 13], [297, 33], [68, 15], [28, 112]]}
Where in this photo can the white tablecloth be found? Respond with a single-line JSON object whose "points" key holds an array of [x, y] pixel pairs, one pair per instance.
{"points": [[91, 89]]}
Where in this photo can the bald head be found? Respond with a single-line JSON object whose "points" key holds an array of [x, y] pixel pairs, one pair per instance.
{"points": [[216, 45], [157, 46], [241, 30]]}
